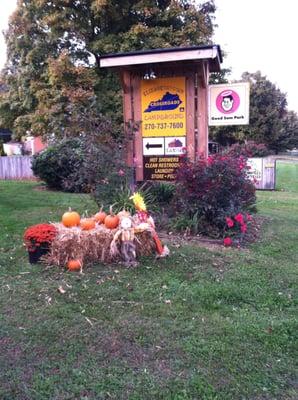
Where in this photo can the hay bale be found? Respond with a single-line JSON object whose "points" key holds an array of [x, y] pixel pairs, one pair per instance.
{"points": [[91, 246]]}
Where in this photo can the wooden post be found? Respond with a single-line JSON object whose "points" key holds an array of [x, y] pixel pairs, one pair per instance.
{"points": [[190, 115], [137, 112], [128, 114], [203, 75]]}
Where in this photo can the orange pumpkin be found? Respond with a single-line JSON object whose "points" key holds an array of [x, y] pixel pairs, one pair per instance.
{"points": [[112, 220], [70, 219], [74, 265], [87, 224], [100, 216]]}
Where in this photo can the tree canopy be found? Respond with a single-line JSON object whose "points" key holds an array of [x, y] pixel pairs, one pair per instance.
{"points": [[52, 71], [270, 122]]}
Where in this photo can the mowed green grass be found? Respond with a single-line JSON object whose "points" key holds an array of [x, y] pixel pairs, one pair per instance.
{"points": [[202, 324], [287, 176]]}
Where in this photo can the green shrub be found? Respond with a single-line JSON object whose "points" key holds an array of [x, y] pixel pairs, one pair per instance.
{"points": [[185, 223], [55, 164], [163, 192], [117, 191], [114, 190], [90, 163]]}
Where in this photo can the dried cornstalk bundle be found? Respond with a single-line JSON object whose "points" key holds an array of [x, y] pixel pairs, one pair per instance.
{"points": [[145, 245], [91, 246]]}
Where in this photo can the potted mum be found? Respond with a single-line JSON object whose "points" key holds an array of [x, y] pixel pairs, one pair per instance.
{"points": [[38, 239]]}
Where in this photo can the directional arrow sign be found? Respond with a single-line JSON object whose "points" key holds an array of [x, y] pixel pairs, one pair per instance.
{"points": [[154, 146]]}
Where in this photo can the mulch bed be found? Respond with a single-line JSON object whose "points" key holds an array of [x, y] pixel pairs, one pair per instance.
{"points": [[177, 240]]}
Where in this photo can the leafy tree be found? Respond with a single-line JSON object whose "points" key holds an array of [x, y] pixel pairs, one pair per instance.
{"points": [[288, 138], [267, 109], [270, 121], [54, 45]]}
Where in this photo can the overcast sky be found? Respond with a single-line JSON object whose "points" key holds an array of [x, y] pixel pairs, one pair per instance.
{"points": [[255, 34], [6, 8], [261, 35]]}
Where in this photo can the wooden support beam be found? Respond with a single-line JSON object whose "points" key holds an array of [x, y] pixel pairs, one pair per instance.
{"points": [[190, 115], [203, 74], [202, 133], [125, 78], [137, 112]]}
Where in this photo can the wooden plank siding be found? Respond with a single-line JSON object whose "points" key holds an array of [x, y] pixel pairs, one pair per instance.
{"points": [[16, 167], [138, 142], [128, 115], [202, 116], [269, 173], [196, 79], [190, 115]]}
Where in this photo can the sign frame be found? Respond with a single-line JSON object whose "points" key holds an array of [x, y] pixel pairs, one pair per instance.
{"points": [[228, 104], [163, 107]]}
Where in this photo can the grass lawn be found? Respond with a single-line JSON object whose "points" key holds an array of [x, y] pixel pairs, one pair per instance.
{"points": [[202, 324]]}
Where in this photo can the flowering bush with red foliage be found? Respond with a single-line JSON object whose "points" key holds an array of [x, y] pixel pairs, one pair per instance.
{"points": [[40, 235], [212, 190], [248, 150]]}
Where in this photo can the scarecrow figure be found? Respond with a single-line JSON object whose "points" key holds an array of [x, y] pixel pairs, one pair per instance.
{"points": [[144, 221], [127, 246]]}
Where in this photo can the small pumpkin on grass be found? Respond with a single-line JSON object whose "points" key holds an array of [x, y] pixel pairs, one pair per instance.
{"points": [[71, 218], [100, 216], [111, 220], [74, 265]]}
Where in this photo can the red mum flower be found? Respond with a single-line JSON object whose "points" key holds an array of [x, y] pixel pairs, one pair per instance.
{"points": [[243, 228], [227, 241], [229, 222], [39, 235], [239, 218]]}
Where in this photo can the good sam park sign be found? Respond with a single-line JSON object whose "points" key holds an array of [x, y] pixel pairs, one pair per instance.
{"points": [[167, 96], [229, 104]]}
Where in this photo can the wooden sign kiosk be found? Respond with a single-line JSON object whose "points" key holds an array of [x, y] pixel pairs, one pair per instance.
{"points": [[166, 97]]}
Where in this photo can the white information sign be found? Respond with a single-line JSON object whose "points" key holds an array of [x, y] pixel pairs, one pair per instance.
{"points": [[262, 172], [153, 146], [175, 145], [228, 104], [255, 172]]}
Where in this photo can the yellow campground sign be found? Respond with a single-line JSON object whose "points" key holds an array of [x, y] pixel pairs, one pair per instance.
{"points": [[163, 107]]}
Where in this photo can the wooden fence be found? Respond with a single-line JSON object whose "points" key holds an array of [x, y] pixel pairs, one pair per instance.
{"points": [[16, 167], [263, 172]]}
